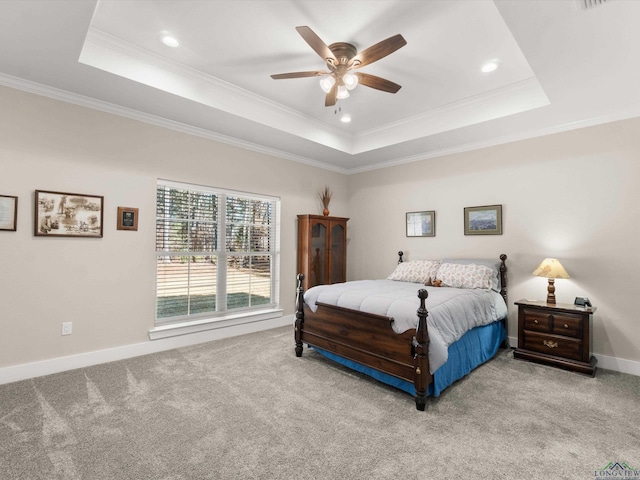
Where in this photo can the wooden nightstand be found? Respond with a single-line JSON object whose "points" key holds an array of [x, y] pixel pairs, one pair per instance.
{"points": [[556, 334]]}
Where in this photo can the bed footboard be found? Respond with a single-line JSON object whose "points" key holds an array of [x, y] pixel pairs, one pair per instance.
{"points": [[368, 340]]}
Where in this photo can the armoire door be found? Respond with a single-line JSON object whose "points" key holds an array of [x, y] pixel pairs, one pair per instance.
{"points": [[322, 249]]}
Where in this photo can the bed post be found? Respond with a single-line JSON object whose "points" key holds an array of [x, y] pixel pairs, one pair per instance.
{"points": [[299, 315], [400, 254], [503, 292], [423, 376], [503, 277]]}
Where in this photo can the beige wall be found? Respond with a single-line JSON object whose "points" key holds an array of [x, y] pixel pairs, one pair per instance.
{"points": [[106, 286], [572, 195]]}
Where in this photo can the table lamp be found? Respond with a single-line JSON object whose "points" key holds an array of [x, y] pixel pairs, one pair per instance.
{"points": [[551, 268]]}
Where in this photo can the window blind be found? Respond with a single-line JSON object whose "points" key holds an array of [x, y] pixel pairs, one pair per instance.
{"points": [[216, 252]]}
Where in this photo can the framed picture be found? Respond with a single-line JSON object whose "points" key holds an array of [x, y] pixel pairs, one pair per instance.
{"points": [[60, 214], [127, 218], [421, 224], [486, 220], [8, 212]]}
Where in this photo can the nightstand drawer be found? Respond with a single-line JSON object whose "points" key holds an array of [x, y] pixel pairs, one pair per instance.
{"points": [[568, 325], [537, 320], [553, 345]]}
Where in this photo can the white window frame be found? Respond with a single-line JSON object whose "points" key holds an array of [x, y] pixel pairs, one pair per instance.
{"points": [[222, 317]]}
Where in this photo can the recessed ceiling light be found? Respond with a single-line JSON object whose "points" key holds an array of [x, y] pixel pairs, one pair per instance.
{"points": [[345, 118], [490, 66], [169, 40]]}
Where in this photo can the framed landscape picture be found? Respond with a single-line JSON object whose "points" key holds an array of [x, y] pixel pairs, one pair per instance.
{"points": [[421, 224], [486, 220], [60, 214], [8, 212]]}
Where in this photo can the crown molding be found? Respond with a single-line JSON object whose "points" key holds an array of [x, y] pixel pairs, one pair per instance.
{"points": [[515, 98], [111, 54], [91, 103], [83, 101], [467, 147]]}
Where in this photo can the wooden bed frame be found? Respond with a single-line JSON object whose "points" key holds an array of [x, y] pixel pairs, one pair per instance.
{"points": [[370, 340]]}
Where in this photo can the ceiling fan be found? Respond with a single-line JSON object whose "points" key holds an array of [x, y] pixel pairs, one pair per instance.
{"points": [[342, 60]]}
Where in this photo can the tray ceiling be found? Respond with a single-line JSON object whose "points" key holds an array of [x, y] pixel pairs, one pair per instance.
{"points": [[561, 66]]}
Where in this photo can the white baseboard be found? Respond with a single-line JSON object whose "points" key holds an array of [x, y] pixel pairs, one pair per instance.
{"points": [[618, 364], [604, 361], [61, 364]]}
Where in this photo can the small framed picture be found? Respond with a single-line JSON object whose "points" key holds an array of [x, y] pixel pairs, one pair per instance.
{"points": [[127, 218], [61, 214], [8, 212], [485, 220], [421, 224]]}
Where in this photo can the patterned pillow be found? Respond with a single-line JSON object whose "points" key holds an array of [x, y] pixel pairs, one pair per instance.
{"points": [[465, 276], [416, 271], [494, 265]]}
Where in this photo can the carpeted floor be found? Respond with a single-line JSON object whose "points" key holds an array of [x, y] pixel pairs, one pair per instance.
{"points": [[246, 407]]}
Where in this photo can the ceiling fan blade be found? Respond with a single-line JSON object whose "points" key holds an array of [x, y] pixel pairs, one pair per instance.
{"points": [[377, 82], [280, 76], [332, 97], [317, 44], [378, 51]]}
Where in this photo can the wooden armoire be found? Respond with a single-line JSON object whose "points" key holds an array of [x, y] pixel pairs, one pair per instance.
{"points": [[322, 249]]}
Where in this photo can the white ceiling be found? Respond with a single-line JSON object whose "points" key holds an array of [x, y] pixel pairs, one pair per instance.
{"points": [[563, 66]]}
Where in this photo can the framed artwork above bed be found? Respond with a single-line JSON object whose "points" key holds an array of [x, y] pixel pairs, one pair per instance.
{"points": [[485, 220], [421, 224]]}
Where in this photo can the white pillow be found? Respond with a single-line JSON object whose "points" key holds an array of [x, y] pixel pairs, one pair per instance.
{"points": [[465, 276], [416, 271]]}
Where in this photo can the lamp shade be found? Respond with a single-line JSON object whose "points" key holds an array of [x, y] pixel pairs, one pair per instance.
{"points": [[350, 80], [327, 84], [551, 268], [342, 92]]}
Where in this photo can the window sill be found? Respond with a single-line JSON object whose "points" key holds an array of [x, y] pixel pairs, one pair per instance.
{"points": [[201, 325]]}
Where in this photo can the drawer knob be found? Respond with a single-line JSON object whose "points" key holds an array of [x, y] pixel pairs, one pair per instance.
{"points": [[535, 321], [550, 344], [566, 326]]}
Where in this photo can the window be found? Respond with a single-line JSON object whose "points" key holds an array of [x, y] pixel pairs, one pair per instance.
{"points": [[216, 252]]}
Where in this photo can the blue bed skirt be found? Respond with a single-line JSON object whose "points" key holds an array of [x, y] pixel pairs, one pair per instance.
{"points": [[473, 349]]}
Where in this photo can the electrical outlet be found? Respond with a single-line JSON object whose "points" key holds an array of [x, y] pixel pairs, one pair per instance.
{"points": [[66, 328]]}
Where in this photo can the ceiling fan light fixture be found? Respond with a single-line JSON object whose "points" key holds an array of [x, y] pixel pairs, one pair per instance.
{"points": [[326, 84], [341, 58], [342, 92], [350, 80]]}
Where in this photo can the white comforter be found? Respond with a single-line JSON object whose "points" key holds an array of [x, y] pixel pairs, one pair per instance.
{"points": [[452, 311]]}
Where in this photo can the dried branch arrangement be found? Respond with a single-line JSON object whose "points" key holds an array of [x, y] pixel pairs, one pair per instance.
{"points": [[325, 198]]}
